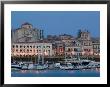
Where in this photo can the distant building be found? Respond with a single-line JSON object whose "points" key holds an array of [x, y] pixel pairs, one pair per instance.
{"points": [[65, 37], [26, 33], [84, 35], [85, 39]]}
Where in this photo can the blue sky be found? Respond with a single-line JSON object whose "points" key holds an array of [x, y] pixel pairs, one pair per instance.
{"points": [[59, 22]]}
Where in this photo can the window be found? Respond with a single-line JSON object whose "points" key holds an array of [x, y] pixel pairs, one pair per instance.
{"points": [[27, 46], [60, 46], [13, 46], [24, 46], [37, 51], [79, 49], [69, 49], [61, 49], [16, 46], [29, 26], [16, 50], [48, 46], [30, 46], [20, 46], [27, 50], [84, 43], [80, 54], [85, 49], [33, 46], [20, 50], [49, 51], [75, 49]]}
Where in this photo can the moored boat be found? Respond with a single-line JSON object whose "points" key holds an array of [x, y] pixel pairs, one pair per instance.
{"points": [[17, 66]]}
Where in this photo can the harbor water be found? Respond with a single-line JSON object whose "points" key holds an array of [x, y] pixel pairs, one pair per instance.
{"points": [[56, 73]]}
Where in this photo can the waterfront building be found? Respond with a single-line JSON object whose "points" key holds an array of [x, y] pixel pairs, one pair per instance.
{"points": [[69, 50], [96, 47], [26, 33], [28, 41], [77, 48], [59, 49], [31, 49], [87, 48]]}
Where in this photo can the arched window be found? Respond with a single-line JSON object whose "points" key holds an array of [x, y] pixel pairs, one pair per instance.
{"points": [[13, 46], [69, 49], [16, 46]]}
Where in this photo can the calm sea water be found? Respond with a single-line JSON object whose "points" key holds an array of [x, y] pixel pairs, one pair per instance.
{"points": [[56, 73]]}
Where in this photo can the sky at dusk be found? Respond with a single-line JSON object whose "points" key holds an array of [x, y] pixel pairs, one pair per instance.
{"points": [[59, 22]]}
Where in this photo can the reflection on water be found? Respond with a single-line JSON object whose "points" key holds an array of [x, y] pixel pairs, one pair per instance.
{"points": [[56, 73]]}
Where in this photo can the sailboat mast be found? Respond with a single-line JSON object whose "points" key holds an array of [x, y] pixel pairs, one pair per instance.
{"points": [[43, 53], [65, 53]]}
